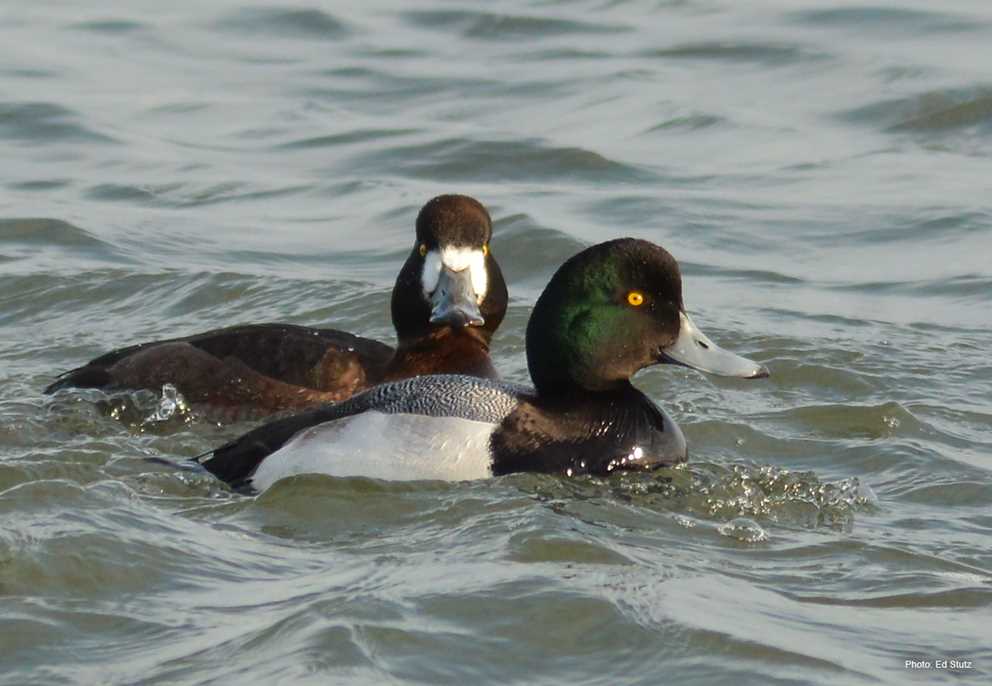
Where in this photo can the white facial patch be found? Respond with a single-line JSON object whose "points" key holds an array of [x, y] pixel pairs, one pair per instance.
{"points": [[456, 259], [432, 272]]}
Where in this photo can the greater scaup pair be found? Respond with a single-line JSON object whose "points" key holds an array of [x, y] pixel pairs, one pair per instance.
{"points": [[608, 312], [448, 300]]}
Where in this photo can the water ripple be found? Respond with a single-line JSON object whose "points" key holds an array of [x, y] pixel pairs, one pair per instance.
{"points": [[307, 24], [460, 159], [499, 27], [889, 20], [350, 137], [43, 123], [931, 111], [109, 26], [767, 54], [185, 195]]}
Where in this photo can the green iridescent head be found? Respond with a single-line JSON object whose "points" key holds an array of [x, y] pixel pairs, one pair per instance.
{"points": [[605, 314], [612, 310]]}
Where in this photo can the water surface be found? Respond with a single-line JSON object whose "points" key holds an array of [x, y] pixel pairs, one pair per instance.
{"points": [[820, 171]]}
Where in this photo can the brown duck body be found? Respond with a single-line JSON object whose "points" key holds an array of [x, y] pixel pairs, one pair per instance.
{"points": [[267, 368], [259, 369]]}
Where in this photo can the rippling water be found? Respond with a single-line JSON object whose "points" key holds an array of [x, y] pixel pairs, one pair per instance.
{"points": [[820, 170]]}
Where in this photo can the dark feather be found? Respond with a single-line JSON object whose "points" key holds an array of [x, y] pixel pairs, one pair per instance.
{"points": [[587, 435], [258, 356]]}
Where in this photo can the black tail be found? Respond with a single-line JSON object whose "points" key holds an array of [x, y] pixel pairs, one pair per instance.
{"points": [[83, 377], [236, 462]]}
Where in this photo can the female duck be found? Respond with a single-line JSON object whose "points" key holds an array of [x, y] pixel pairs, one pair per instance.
{"points": [[448, 300], [608, 312]]}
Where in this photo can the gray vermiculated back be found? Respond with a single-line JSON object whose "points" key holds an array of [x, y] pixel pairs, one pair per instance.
{"points": [[448, 395]]}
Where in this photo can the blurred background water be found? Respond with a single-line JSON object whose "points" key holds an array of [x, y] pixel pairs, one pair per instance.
{"points": [[821, 170]]}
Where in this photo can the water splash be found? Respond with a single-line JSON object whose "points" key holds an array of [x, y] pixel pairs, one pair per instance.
{"points": [[790, 498], [145, 410], [761, 494], [744, 530], [170, 403]]}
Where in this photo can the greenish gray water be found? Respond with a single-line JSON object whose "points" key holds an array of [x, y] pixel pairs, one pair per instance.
{"points": [[821, 172]]}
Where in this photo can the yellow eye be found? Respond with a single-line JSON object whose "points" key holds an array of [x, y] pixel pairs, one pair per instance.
{"points": [[423, 250], [485, 249], [635, 298]]}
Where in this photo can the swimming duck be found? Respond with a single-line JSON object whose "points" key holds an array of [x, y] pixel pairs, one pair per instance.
{"points": [[448, 300], [608, 312]]}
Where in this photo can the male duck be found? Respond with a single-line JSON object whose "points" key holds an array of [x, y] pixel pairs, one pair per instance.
{"points": [[608, 312]]}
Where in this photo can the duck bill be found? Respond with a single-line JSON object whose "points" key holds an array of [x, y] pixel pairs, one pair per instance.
{"points": [[453, 301], [694, 349]]}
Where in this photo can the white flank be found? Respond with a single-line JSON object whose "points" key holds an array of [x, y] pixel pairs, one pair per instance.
{"points": [[399, 447]]}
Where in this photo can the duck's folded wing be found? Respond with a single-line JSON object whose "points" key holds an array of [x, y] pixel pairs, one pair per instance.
{"points": [[296, 355]]}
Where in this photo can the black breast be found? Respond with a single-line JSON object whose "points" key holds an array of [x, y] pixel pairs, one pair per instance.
{"points": [[589, 435]]}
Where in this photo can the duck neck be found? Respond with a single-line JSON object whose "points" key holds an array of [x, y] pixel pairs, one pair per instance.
{"points": [[559, 368], [602, 400], [443, 350], [475, 336]]}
